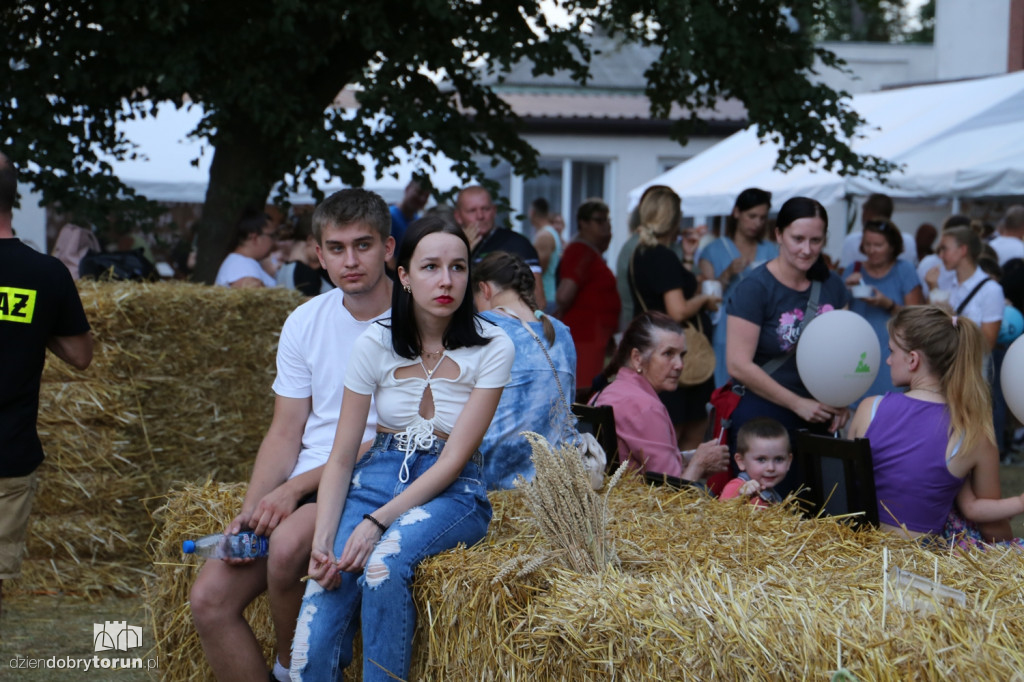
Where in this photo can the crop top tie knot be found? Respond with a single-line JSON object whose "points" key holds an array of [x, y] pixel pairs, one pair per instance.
{"points": [[417, 436]]}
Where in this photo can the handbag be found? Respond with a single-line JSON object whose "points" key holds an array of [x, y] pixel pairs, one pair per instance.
{"points": [[700, 355], [591, 453]]}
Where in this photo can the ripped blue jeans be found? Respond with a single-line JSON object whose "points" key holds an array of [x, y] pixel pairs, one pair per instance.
{"points": [[381, 596]]}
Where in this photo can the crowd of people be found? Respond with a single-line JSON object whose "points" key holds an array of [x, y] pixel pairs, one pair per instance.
{"points": [[405, 382], [483, 343]]}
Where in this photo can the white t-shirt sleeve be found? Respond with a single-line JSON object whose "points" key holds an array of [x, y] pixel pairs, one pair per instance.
{"points": [[496, 360], [992, 302], [361, 375], [294, 378], [236, 267]]}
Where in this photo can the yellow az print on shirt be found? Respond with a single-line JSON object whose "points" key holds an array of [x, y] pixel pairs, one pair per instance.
{"points": [[17, 305]]}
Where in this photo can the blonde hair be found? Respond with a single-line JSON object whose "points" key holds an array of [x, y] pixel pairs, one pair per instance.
{"points": [[954, 349], [660, 213]]}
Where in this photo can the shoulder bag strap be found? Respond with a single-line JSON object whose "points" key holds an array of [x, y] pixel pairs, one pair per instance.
{"points": [[963, 303], [543, 348], [632, 280], [632, 284]]}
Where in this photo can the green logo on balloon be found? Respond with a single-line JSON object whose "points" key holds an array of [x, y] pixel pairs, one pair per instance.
{"points": [[862, 367]]}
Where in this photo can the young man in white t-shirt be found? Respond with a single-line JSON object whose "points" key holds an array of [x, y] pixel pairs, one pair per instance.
{"points": [[353, 232]]}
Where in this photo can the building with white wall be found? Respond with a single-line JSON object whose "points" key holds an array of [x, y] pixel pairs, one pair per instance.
{"points": [[599, 139]]}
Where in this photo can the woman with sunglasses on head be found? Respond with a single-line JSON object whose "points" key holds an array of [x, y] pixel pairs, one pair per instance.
{"points": [[891, 284], [435, 372], [766, 315]]}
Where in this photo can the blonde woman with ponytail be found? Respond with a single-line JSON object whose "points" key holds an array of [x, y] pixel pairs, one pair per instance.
{"points": [[934, 444], [543, 381], [659, 282]]}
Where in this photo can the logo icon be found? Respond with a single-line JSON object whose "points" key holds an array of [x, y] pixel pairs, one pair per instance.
{"points": [[116, 635], [862, 367]]}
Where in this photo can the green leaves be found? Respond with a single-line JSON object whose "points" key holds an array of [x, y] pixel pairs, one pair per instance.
{"points": [[426, 73]]}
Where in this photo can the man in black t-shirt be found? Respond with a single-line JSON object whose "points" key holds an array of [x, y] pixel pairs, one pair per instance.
{"points": [[475, 213], [39, 309]]}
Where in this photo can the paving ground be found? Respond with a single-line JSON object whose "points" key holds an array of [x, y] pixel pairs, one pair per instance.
{"points": [[50, 629]]}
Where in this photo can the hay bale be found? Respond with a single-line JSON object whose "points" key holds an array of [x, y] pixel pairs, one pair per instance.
{"points": [[702, 589], [190, 512], [711, 590], [179, 389]]}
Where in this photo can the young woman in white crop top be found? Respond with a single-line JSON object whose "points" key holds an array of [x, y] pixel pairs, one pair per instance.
{"points": [[436, 372]]}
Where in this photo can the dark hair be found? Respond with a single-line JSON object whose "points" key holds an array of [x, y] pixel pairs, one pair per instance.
{"points": [[462, 328], [589, 208], [878, 205], [541, 206], [760, 427], [640, 335], [353, 206], [8, 184], [1013, 282], [421, 180], [748, 199], [924, 239], [252, 222], [889, 231], [798, 208], [955, 220], [509, 271], [988, 262]]}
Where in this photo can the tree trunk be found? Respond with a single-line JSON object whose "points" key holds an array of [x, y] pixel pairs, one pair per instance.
{"points": [[242, 173]]}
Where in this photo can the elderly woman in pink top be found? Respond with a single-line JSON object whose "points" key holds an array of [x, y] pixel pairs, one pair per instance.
{"points": [[648, 361]]}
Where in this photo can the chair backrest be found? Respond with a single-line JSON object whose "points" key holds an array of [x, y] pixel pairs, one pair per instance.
{"points": [[599, 420], [839, 476]]}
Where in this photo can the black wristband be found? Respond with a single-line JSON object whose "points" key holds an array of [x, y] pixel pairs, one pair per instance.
{"points": [[370, 518]]}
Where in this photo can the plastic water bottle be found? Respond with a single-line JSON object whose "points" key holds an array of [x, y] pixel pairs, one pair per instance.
{"points": [[245, 545]]}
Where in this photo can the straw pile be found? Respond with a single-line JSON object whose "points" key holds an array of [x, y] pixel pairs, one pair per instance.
{"points": [[192, 512], [699, 589], [179, 389], [711, 590]]}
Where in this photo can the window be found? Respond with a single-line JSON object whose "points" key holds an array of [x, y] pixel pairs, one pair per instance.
{"points": [[566, 184]]}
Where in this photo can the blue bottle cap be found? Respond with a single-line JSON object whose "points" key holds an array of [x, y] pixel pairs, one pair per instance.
{"points": [[188, 547]]}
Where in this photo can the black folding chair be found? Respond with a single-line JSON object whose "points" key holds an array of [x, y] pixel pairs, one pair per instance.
{"points": [[839, 476], [599, 420]]}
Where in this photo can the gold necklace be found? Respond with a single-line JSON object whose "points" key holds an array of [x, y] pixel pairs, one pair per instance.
{"points": [[430, 372], [432, 353]]}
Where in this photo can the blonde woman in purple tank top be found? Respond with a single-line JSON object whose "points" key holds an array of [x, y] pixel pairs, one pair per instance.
{"points": [[934, 444]]}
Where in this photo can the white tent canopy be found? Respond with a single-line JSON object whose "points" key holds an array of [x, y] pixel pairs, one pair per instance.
{"points": [[954, 140]]}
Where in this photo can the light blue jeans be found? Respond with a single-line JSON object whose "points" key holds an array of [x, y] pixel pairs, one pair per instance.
{"points": [[383, 601]]}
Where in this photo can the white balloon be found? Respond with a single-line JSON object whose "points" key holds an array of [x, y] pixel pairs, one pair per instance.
{"points": [[1012, 378], [838, 357]]}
